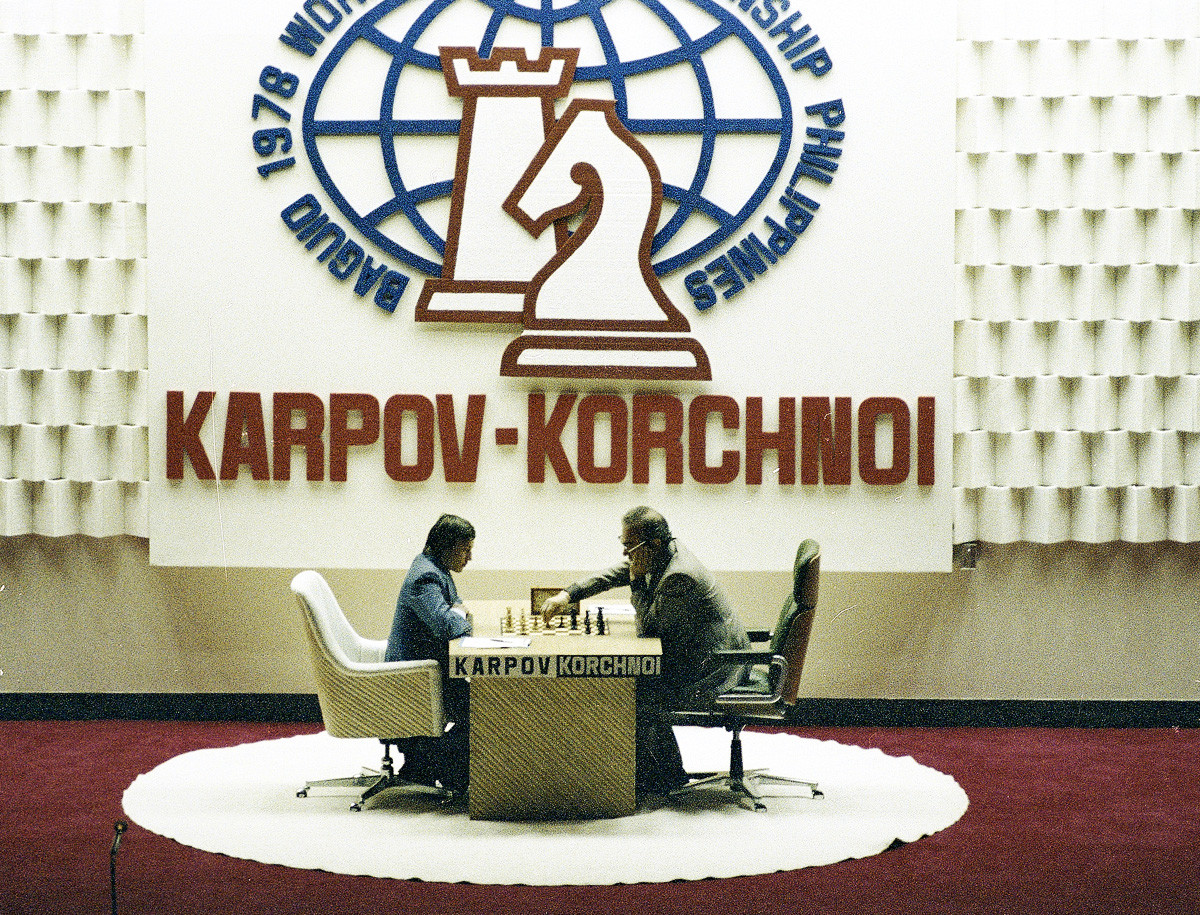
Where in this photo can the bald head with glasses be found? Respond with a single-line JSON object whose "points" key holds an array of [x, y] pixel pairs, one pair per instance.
{"points": [[645, 537]]}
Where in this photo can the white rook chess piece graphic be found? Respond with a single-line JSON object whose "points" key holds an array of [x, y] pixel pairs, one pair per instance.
{"points": [[596, 308], [508, 105]]}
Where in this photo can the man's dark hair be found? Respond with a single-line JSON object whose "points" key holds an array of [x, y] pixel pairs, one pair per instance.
{"points": [[647, 524], [447, 532]]}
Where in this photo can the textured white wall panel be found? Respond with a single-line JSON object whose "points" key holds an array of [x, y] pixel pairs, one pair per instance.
{"points": [[974, 464], [1018, 458], [1022, 236], [1070, 348], [1164, 348], [1171, 123], [15, 181], [1047, 515], [37, 452], [1160, 459], [15, 400], [100, 507], [22, 118], [127, 345], [1095, 514], [54, 397], [102, 283], [1022, 349], [1003, 404], [81, 342], [1190, 473], [1113, 459], [1026, 125], [121, 118], [125, 230], [966, 403], [1140, 403], [53, 173], [1049, 403], [12, 61], [86, 453], [1117, 350], [1001, 512], [1183, 514], [966, 514], [29, 230], [1075, 124], [130, 454], [1094, 406], [34, 341], [1066, 462], [1181, 404], [137, 512], [104, 397], [55, 508], [137, 386], [55, 285], [16, 507], [1143, 514]]}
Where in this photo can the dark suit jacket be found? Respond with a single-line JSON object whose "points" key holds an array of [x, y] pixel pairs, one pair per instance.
{"points": [[682, 605]]}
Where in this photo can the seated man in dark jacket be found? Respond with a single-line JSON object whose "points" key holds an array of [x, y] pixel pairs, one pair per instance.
{"points": [[429, 614], [676, 599]]}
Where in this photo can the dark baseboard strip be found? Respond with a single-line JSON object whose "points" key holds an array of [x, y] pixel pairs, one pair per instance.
{"points": [[995, 713], [300, 707], [266, 707]]}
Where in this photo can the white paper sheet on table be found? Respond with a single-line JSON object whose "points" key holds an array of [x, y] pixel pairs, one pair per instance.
{"points": [[475, 641]]}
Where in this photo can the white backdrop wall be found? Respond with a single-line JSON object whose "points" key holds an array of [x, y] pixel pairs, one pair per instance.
{"points": [[1077, 379]]}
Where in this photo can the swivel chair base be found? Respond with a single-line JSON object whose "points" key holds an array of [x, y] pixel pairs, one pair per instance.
{"points": [[371, 783], [746, 787]]}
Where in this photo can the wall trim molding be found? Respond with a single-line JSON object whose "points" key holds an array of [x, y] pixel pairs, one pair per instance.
{"points": [[303, 708]]}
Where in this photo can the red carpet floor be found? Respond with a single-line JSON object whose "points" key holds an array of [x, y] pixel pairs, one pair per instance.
{"points": [[1062, 821]]}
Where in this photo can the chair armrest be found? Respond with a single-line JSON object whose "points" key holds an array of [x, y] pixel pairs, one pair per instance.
{"points": [[370, 650], [744, 655], [387, 667], [776, 677]]}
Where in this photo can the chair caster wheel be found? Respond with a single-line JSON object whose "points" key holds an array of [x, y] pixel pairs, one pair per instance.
{"points": [[356, 807], [303, 792]]}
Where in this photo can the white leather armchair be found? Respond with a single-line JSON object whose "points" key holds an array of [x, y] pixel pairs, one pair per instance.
{"points": [[362, 695]]}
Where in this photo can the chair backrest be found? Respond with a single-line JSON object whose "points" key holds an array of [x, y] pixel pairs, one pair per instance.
{"points": [[386, 699], [325, 613], [791, 634]]}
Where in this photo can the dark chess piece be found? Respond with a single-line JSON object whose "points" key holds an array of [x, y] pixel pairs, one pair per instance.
{"points": [[600, 630], [587, 622]]}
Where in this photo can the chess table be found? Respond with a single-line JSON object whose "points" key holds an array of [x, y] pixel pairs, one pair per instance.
{"points": [[552, 724]]}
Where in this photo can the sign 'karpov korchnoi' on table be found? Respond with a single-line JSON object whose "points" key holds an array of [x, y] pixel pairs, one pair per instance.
{"points": [[558, 666], [534, 264]]}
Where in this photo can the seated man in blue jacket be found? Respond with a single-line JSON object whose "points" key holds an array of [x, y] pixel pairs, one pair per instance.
{"points": [[676, 599], [428, 615]]}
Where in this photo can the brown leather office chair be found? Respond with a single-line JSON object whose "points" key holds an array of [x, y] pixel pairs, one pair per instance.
{"points": [[362, 695], [769, 692]]}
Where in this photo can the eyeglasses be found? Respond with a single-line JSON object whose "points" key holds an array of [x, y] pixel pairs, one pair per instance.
{"points": [[630, 550]]}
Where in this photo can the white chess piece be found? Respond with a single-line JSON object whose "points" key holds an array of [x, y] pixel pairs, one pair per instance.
{"points": [[508, 105], [597, 307]]}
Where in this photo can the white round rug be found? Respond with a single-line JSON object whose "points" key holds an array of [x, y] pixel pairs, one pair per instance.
{"points": [[241, 801]]}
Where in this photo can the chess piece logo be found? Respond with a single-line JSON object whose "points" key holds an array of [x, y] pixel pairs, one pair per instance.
{"points": [[589, 300]]}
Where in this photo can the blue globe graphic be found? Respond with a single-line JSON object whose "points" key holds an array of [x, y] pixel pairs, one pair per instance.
{"points": [[704, 41]]}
